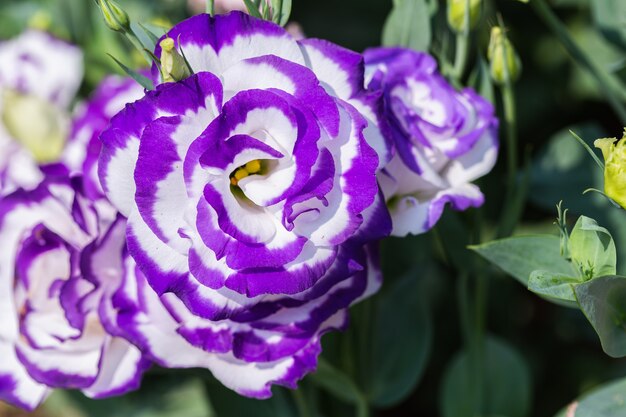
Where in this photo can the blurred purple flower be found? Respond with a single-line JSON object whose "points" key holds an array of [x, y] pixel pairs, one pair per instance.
{"points": [[443, 139]]}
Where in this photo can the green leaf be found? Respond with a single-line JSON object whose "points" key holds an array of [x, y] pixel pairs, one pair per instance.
{"points": [[152, 38], [400, 352], [408, 25], [337, 383], [159, 396], [227, 403], [608, 400], [552, 285], [603, 301], [592, 249], [253, 9], [507, 384], [145, 82], [520, 256], [610, 17]]}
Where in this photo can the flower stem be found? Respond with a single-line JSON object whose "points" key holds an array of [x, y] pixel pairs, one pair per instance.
{"points": [[610, 85], [210, 7], [301, 403], [460, 59], [510, 212]]}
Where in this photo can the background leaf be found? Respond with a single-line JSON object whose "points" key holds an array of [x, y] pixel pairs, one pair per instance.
{"points": [[507, 384], [408, 25], [401, 338]]}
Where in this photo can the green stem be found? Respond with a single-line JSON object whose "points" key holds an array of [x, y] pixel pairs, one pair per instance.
{"points": [[210, 7], [477, 349], [301, 403], [461, 54], [510, 212], [610, 85], [362, 408]]}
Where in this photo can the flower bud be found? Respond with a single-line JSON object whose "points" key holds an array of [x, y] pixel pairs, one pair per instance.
{"points": [[457, 14], [504, 63], [614, 153], [114, 16], [173, 65], [35, 123], [41, 21]]}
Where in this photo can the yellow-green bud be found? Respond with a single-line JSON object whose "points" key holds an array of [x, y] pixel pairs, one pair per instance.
{"points": [[173, 65], [504, 63], [614, 153], [457, 14], [41, 21], [114, 16], [36, 124]]}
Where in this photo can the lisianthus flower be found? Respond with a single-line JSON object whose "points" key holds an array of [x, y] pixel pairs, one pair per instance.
{"points": [[58, 254], [90, 119], [250, 190], [444, 139], [39, 77]]}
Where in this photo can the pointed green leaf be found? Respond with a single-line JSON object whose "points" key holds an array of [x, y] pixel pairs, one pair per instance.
{"points": [[253, 9], [145, 82], [153, 38], [520, 256]]}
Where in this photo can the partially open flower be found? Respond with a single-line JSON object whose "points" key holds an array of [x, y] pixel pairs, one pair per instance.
{"points": [[614, 152], [39, 76], [443, 139], [57, 255]]}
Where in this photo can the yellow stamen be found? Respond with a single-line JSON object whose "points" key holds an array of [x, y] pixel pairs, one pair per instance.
{"points": [[253, 166]]}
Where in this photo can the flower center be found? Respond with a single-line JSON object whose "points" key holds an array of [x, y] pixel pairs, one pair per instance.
{"points": [[36, 124], [253, 167]]}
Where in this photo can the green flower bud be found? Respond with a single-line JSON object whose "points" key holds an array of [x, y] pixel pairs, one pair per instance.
{"points": [[36, 124], [457, 13], [504, 63], [614, 153], [173, 65], [41, 21], [114, 16]]}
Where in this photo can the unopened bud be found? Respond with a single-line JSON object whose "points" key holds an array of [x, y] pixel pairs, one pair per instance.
{"points": [[173, 65], [458, 14], [40, 21], [614, 153], [505, 65], [114, 16]]}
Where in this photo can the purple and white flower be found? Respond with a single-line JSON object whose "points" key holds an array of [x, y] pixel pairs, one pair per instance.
{"points": [[91, 118], [250, 190], [39, 77], [57, 270], [443, 139]]}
